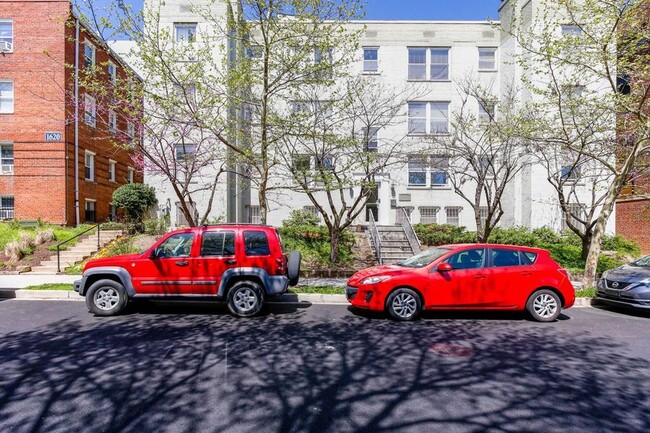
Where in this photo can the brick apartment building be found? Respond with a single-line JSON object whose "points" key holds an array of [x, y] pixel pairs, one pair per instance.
{"points": [[39, 132]]}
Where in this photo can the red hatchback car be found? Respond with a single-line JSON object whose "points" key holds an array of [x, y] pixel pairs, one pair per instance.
{"points": [[466, 277]]}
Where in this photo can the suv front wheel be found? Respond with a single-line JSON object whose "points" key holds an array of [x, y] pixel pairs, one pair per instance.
{"points": [[106, 298], [245, 298]]}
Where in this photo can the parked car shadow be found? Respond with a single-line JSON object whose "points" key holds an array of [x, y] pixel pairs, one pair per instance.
{"points": [[629, 311], [201, 371], [203, 308], [453, 315]]}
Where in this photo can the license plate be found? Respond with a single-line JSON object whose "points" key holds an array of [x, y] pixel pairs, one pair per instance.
{"points": [[614, 293]]}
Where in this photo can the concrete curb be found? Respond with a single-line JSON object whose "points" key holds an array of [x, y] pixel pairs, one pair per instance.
{"points": [[288, 298]]}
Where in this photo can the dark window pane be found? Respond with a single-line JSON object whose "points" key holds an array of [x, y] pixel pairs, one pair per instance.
{"points": [[218, 244], [256, 243], [501, 258], [470, 259], [530, 258]]}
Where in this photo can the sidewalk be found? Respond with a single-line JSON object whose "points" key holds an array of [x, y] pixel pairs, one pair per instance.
{"points": [[24, 280]]}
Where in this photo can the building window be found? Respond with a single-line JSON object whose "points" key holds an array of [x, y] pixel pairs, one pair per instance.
{"points": [[324, 163], [6, 97], [185, 32], [6, 158], [436, 58], [417, 166], [112, 72], [6, 36], [185, 151], [91, 216], [571, 30], [111, 170], [186, 93], [439, 168], [428, 215], [575, 211], [312, 210], [487, 59], [323, 63], [372, 141], [483, 214], [486, 111], [112, 121], [130, 129], [90, 166], [90, 110], [428, 117], [301, 163], [370, 59], [7, 207], [130, 175], [112, 212], [570, 173], [89, 55], [254, 214], [453, 215]]}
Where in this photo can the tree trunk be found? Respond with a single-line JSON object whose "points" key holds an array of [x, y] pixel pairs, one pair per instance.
{"points": [[263, 204], [335, 241], [586, 245]]}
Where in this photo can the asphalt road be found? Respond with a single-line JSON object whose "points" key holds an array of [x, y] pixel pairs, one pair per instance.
{"points": [[189, 368]]}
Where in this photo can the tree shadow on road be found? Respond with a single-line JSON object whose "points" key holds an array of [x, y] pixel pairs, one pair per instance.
{"points": [[207, 371]]}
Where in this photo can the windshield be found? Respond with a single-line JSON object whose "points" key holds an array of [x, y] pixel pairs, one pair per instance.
{"points": [[643, 261], [424, 258]]}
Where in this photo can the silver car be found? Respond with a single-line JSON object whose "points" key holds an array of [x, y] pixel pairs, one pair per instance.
{"points": [[627, 285]]}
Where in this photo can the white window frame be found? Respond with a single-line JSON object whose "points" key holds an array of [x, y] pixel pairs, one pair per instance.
{"points": [[495, 52], [93, 50], [429, 214], [10, 98], [486, 111], [372, 140], [254, 214], [130, 175], [570, 30], [6, 168], [112, 170], [428, 64], [112, 121], [430, 109], [371, 66], [411, 74], [89, 170], [449, 217], [184, 25], [417, 164], [435, 166], [112, 75], [9, 39], [90, 110], [87, 201], [7, 213], [185, 151], [130, 129], [570, 174], [483, 214]]}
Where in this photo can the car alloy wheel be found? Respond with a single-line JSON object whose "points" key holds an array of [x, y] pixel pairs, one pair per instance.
{"points": [[106, 298], [545, 305], [245, 300], [404, 304]]}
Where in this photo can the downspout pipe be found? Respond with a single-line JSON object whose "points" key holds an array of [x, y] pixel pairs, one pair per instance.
{"points": [[76, 122]]}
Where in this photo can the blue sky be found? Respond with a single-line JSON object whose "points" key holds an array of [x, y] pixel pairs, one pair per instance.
{"points": [[412, 9]]}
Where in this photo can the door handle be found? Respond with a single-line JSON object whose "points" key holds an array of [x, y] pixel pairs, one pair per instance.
{"points": [[185, 263], [231, 261], [526, 274], [479, 277]]}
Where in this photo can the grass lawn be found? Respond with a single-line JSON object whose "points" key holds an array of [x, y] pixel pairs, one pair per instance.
{"points": [[325, 290], [11, 231], [589, 292], [50, 286]]}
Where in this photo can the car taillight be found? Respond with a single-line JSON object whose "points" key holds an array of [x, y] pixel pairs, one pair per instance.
{"points": [[282, 265]]}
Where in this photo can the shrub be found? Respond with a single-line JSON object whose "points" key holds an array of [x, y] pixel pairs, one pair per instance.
{"points": [[313, 242], [621, 245], [135, 199], [13, 251], [113, 225], [442, 234], [301, 217], [26, 242], [43, 236], [156, 226]]}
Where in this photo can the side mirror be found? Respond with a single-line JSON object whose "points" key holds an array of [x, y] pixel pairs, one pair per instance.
{"points": [[445, 267]]}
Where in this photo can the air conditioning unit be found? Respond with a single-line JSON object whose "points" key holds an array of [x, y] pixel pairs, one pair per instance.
{"points": [[6, 47]]}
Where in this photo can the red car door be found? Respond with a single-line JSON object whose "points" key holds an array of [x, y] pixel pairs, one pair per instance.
{"points": [[169, 267], [216, 255], [512, 275], [461, 287]]}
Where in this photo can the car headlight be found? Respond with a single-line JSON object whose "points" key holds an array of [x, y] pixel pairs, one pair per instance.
{"points": [[375, 280]]}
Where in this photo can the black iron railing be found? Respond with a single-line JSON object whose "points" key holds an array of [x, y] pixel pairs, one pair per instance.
{"points": [[58, 246], [374, 235]]}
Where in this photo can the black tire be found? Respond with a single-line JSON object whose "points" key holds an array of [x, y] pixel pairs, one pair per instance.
{"points": [[293, 267], [106, 298], [245, 298], [404, 305], [544, 305]]}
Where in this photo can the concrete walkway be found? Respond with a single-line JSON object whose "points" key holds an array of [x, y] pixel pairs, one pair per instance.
{"points": [[24, 280]]}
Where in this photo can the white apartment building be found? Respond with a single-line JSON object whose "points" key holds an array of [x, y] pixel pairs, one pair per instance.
{"points": [[436, 56]]}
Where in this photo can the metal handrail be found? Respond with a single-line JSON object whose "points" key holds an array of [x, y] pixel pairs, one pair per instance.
{"points": [[412, 237], [374, 235], [58, 246]]}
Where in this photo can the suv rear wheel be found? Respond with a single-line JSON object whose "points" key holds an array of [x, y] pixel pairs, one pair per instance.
{"points": [[106, 298], [245, 298]]}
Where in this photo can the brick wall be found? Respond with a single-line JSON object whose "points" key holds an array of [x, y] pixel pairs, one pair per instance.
{"points": [[633, 221], [43, 179]]}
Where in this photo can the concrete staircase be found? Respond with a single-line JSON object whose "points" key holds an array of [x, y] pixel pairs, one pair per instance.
{"points": [[85, 247], [395, 246]]}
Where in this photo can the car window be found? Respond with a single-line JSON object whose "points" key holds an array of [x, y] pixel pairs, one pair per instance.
{"points": [[468, 259], [178, 245], [424, 258], [527, 258], [503, 257], [218, 244], [256, 243]]}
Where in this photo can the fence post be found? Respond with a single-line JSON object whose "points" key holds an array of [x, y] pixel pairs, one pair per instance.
{"points": [[58, 260]]}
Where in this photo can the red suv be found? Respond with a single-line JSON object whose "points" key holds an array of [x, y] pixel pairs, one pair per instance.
{"points": [[240, 264], [466, 277]]}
